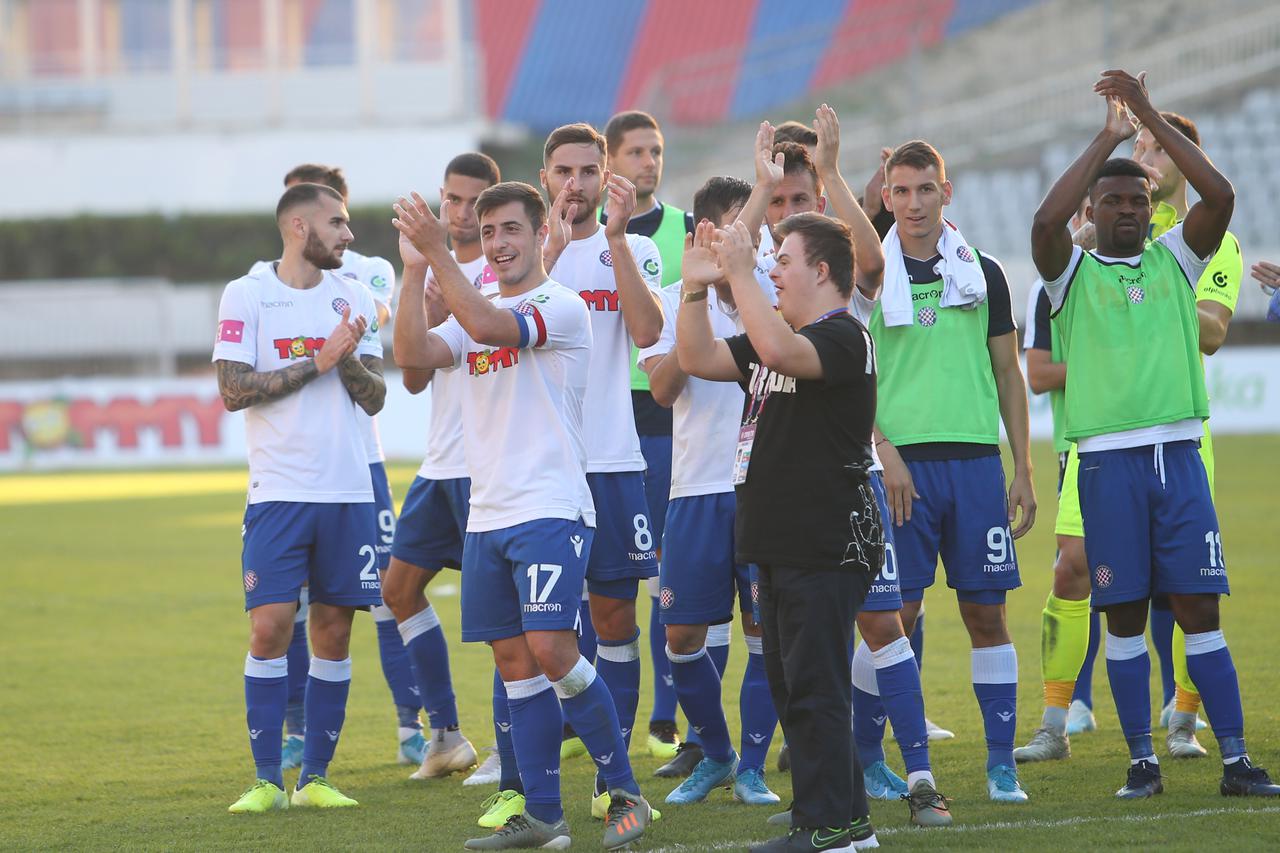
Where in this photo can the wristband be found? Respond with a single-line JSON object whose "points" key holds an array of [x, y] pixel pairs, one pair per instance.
{"points": [[692, 295]]}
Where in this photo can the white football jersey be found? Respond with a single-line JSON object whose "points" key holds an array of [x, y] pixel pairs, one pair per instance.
{"points": [[522, 412], [706, 415], [379, 276], [446, 459], [305, 447], [586, 267]]}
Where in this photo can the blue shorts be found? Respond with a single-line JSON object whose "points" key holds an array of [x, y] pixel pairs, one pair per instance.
{"points": [[433, 523], [962, 514], [625, 548], [1150, 526], [884, 592], [699, 577], [328, 547], [523, 578], [656, 450], [385, 508]]}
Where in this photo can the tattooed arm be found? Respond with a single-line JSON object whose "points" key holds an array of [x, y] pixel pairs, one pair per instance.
{"points": [[363, 380], [241, 386]]}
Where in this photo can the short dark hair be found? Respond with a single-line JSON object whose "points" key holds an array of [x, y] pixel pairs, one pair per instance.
{"points": [[1183, 125], [1120, 167], [473, 164], [916, 154], [579, 133], [796, 159], [314, 173], [508, 191], [825, 240], [718, 196], [794, 131], [304, 193], [617, 128]]}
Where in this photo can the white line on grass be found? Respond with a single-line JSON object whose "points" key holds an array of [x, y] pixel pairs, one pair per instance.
{"points": [[1003, 824]]}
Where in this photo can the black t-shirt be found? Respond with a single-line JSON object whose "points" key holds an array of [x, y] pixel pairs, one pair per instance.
{"points": [[651, 419], [806, 502], [999, 307]]}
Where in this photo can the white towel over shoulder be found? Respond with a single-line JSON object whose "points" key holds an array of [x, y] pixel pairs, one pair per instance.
{"points": [[963, 284]]}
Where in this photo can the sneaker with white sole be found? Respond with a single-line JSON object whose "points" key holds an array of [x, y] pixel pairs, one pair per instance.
{"points": [[446, 757], [522, 832], [1080, 718], [937, 732], [489, 772], [749, 787], [1045, 745], [1003, 785]]}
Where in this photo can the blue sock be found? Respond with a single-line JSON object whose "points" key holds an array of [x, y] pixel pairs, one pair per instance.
{"points": [[698, 688], [510, 771], [429, 652], [903, 699], [1129, 671], [396, 668], [328, 684], [266, 689], [535, 733], [1084, 681], [1162, 639], [588, 707], [1214, 673], [618, 663], [664, 691], [299, 663], [586, 632], [995, 683], [718, 639], [917, 640], [869, 715], [755, 710]]}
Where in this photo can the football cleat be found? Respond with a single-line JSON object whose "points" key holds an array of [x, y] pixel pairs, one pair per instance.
{"points": [[882, 783], [522, 832], [1003, 785], [628, 817], [441, 761], [781, 818], [937, 732], [1045, 745], [1181, 740], [784, 758], [262, 797], [1242, 779], [1080, 719], [928, 807], [806, 839], [664, 739], [862, 835], [489, 772], [499, 808], [291, 752], [320, 793], [1143, 781], [706, 777], [1166, 714], [572, 747], [413, 749], [749, 787], [600, 808], [687, 757]]}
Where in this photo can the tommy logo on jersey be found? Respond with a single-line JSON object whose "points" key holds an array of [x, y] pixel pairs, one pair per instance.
{"points": [[600, 300], [299, 347], [490, 361]]}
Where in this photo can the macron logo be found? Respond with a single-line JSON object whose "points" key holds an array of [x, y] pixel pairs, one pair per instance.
{"points": [[253, 733], [606, 760], [577, 542], [669, 681], [504, 727], [1005, 716], [333, 736], [756, 739], [879, 721]]}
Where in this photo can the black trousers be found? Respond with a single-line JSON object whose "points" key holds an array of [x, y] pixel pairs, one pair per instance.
{"points": [[808, 617]]}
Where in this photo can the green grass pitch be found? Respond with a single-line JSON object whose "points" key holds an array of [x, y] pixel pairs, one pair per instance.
{"points": [[122, 715]]}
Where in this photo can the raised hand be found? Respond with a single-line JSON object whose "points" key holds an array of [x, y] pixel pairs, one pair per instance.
{"points": [[1120, 122], [409, 254], [1267, 275], [1121, 86], [698, 269], [872, 203], [768, 166], [559, 224], [424, 230], [619, 204], [735, 251], [827, 156]]}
